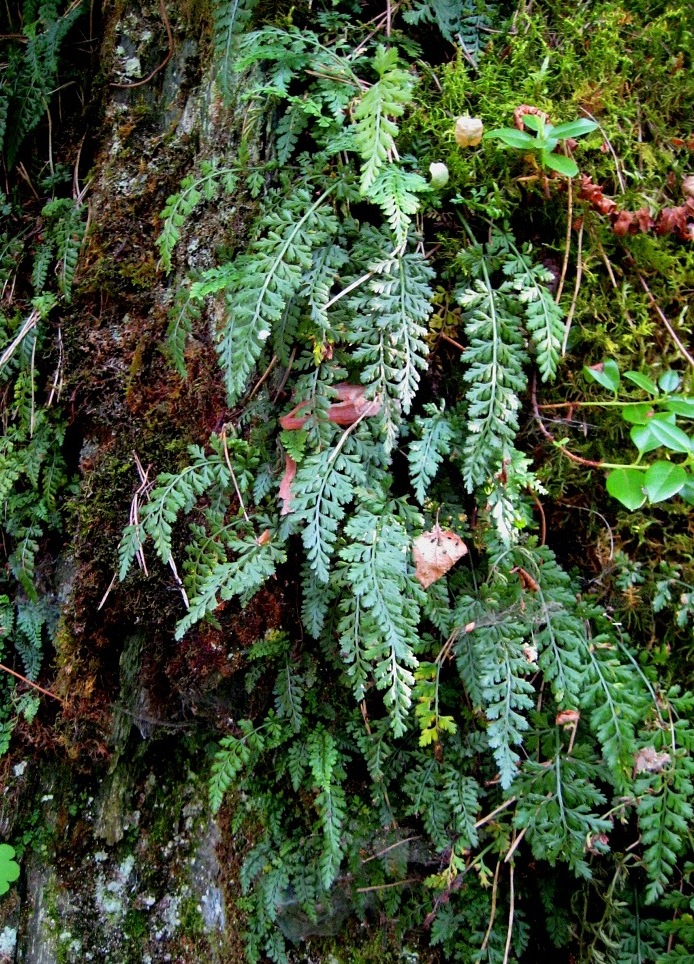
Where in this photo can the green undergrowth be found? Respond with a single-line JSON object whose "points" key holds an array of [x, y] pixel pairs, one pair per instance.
{"points": [[475, 719]]}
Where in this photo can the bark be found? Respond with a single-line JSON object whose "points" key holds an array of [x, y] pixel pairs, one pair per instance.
{"points": [[123, 862]]}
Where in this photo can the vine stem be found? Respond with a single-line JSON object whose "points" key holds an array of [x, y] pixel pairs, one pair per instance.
{"points": [[511, 912], [169, 55]]}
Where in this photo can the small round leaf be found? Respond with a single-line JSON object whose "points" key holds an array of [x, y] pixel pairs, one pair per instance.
{"points": [[627, 486], [663, 480]]}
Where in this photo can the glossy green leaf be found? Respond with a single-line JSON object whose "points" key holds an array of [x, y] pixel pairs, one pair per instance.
{"points": [[669, 381], [663, 480], [626, 485], [562, 165], [512, 138], [670, 436], [639, 413], [642, 436], [643, 381], [681, 406], [687, 490], [605, 374], [577, 128]]}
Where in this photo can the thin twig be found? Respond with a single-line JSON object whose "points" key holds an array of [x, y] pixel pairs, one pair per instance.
{"points": [[169, 55], [398, 843], [622, 186], [543, 520], [397, 883], [108, 592], [511, 911], [31, 322], [550, 438], [577, 288], [350, 287], [233, 476], [490, 816], [665, 321], [264, 376], [567, 246], [492, 913], [29, 683], [514, 846], [451, 341]]}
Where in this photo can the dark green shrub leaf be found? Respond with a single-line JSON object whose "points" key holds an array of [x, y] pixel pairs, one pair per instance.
{"points": [[663, 480], [681, 406], [513, 138], [626, 485], [577, 128]]}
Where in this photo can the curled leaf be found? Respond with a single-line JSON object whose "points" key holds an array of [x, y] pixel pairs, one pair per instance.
{"points": [[352, 405], [285, 492]]}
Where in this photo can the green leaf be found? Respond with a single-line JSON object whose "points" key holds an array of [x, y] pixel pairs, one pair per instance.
{"points": [[557, 162], [687, 490], [670, 436], [663, 480], [626, 485], [577, 128], [643, 381], [638, 414], [681, 406], [9, 868], [605, 374], [513, 138], [669, 381], [642, 436]]}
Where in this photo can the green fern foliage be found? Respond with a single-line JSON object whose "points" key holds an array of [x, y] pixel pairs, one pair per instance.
{"points": [[375, 114], [229, 19]]}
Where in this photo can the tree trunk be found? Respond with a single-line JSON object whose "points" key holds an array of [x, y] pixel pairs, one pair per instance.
{"points": [[122, 861]]}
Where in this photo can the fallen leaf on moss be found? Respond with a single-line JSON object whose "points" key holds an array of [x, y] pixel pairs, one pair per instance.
{"points": [[285, 492], [435, 553]]}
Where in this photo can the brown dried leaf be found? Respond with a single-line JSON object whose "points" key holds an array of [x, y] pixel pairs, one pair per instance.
{"points": [[352, 405], [648, 760], [567, 717], [285, 492], [435, 553]]}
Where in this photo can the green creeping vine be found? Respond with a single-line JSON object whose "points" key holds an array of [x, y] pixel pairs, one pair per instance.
{"points": [[419, 743]]}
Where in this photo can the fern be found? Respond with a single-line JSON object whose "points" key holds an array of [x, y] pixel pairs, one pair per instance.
{"points": [[426, 453], [557, 804], [383, 609], [375, 127], [495, 357], [388, 328], [261, 283], [229, 19]]}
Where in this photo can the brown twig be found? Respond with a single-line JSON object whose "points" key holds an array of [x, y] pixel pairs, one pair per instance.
{"points": [[492, 913], [169, 55], [550, 438], [451, 341], [511, 911], [567, 246], [29, 683], [397, 883], [673, 334], [386, 850], [543, 522], [232, 474]]}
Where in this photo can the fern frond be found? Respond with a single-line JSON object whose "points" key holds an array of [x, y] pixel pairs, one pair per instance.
{"points": [[426, 453], [397, 193], [375, 127], [495, 356], [261, 283], [229, 19]]}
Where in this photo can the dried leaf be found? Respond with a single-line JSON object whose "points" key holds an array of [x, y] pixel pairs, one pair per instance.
{"points": [[567, 717], [435, 553], [648, 760], [285, 492], [520, 112], [352, 405]]}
